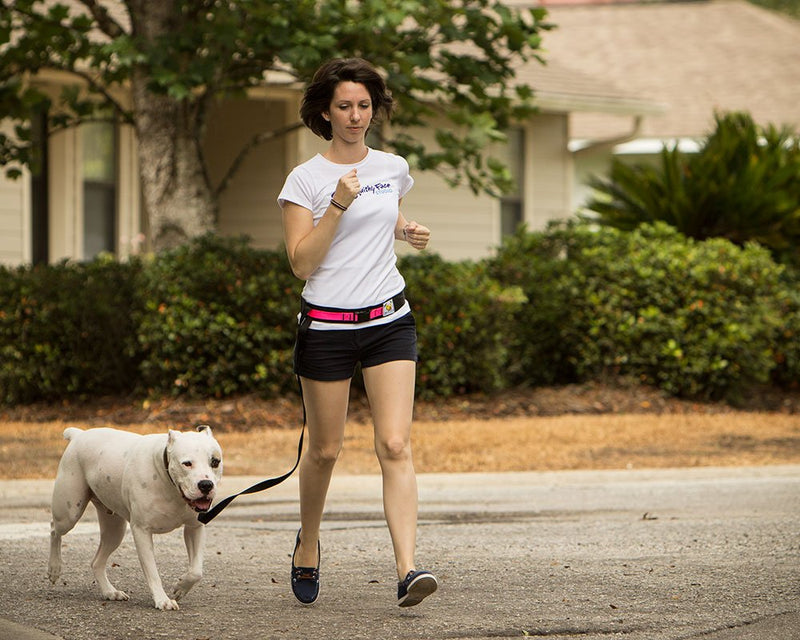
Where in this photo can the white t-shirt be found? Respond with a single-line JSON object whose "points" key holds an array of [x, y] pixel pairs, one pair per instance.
{"points": [[360, 268]]}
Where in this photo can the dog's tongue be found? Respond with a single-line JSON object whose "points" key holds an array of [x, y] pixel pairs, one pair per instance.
{"points": [[200, 505]]}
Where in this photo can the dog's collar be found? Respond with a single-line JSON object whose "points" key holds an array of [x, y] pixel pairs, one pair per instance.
{"points": [[166, 467]]}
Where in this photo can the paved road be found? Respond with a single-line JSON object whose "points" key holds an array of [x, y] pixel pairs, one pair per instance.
{"points": [[707, 554]]}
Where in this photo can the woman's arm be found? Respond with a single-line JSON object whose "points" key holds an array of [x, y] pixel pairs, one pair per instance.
{"points": [[306, 244]]}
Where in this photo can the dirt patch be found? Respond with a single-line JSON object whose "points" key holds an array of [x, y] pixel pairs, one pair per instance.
{"points": [[576, 427], [251, 412]]}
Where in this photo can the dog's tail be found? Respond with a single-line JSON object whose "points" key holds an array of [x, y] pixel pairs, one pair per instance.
{"points": [[71, 432]]}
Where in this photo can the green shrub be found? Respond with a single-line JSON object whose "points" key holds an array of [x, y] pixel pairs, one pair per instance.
{"points": [[464, 321], [67, 330], [218, 319], [572, 303], [544, 266], [787, 347], [697, 319]]}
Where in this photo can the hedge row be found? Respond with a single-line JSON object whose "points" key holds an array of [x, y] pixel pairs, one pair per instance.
{"points": [[67, 330], [704, 320], [216, 318]]}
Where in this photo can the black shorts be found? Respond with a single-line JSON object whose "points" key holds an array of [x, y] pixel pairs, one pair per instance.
{"points": [[333, 355]]}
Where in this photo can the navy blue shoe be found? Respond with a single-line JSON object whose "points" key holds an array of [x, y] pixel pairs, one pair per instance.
{"points": [[305, 580], [416, 586]]}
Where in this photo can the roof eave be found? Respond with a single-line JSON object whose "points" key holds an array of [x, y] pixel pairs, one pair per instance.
{"points": [[568, 103]]}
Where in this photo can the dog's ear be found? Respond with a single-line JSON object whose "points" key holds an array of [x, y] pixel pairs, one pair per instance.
{"points": [[204, 428], [172, 436]]}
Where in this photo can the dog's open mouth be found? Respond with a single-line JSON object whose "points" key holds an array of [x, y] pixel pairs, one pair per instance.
{"points": [[201, 505]]}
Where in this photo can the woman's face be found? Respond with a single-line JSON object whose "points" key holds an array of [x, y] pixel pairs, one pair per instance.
{"points": [[350, 112]]}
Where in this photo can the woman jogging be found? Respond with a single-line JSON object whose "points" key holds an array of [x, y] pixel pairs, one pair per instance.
{"points": [[341, 217]]}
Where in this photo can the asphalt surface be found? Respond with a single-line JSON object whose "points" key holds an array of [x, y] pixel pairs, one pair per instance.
{"points": [[707, 554]]}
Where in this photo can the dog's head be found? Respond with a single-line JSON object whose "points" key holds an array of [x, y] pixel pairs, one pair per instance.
{"points": [[194, 462]]}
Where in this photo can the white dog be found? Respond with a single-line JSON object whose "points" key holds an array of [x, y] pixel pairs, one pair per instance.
{"points": [[156, 482]]}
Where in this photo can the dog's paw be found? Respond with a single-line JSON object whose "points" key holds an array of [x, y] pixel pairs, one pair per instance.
{"points": [[53, 572], [178, 592], [115, 594], [166, 604], [185, 585]]}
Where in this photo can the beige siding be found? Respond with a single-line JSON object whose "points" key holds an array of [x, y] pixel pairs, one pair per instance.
{"points": [[249, 205], [308, 145], [14, 220], [66, 196], [548, 172], [463, 226], [594, 162], [130, 240], [15, 213], [466, 226]]}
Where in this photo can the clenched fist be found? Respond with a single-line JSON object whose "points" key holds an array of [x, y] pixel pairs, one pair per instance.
{"points": [[347, 188], [417, 235]]}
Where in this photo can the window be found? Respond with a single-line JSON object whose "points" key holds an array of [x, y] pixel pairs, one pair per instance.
{"points": [[99, 188], [511, 209]]}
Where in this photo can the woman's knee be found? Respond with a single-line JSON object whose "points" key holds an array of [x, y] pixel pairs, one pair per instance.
{"points": [[324, 455], [393, 449]]}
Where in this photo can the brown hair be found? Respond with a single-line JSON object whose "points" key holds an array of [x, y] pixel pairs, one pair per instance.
{"points": [[319, 94]]}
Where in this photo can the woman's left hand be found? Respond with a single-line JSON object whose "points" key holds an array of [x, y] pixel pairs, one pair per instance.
{"points": [[417, 235]]}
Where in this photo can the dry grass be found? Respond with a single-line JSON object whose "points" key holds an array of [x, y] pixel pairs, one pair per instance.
{"points": [[609, 441]]}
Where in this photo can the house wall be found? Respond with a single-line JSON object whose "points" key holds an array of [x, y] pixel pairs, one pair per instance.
{"points": [[587, 165], [15, 216], [130, 236], [468, 226], [249, 204], [66, 196], [464, 225], [548, 171]]}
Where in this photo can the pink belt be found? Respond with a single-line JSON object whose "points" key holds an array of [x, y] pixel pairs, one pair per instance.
{"points": [[353, 316]]}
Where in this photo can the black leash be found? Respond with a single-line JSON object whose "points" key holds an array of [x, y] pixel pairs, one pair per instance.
{"points": [[208, 516]]}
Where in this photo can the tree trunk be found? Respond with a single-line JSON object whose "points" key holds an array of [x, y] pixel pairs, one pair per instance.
{"points": [[178, 199]]}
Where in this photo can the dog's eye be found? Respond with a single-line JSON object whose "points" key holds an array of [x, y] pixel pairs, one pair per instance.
{"points": [[215, 462], [188, 464]]}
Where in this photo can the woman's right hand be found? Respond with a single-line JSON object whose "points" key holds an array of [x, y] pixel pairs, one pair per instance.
{"points": [[347, 188]]}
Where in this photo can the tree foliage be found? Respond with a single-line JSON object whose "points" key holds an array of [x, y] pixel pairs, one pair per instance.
{"points": [[161, 64], [743, 185]]}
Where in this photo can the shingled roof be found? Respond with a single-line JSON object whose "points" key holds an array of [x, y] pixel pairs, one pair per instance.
{"points": [[692, 57]]}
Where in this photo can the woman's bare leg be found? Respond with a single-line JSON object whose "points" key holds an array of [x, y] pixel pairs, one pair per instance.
{"points": [[326, 412], [390, 389]]}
